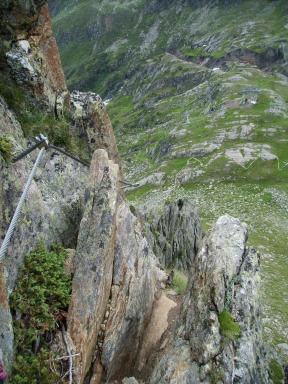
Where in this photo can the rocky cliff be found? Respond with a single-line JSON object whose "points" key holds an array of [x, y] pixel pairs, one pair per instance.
{"points": [[199, 110], [33, 54], [84, 297]]}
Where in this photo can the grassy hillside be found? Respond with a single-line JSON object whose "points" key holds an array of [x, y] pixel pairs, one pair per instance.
{"points": [[199, 107]]}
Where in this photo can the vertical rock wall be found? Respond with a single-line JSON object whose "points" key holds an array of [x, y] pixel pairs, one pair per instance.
{"points": [[32, 53]]}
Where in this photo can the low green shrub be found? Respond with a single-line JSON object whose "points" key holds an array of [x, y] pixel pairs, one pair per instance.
{"points": [[39, 301], [228, 327], [276, 372], [6, 149], [267, 197], [34, 122], [179, 282], [133, 210], [215, 376]]}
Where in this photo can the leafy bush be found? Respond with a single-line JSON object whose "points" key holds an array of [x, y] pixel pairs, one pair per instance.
{"points": [[228, 327], [216, 376], [39, 301], [276, 372], [179, 282], [6, 148]]}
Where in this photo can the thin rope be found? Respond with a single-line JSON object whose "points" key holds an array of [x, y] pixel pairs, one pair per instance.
{"points": [[17, 212]]}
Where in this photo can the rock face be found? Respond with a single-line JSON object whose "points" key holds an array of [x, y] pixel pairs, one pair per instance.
{"points": [[224, 277], [35, 216], [113, 260], [176, 235], [57, 197], [33, 56], [90, 119], [7, 337], [94, 261], [135, 277], [117, 312], [57, 190]]}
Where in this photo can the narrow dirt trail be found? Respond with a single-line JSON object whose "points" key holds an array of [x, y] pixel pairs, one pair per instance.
{"points": [[162, 324]]}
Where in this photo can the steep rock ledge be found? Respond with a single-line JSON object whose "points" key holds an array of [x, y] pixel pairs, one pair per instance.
{"points": [[90, 119], [136, 278]]}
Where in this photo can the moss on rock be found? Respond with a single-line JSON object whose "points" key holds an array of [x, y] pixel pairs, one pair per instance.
{"points": [[228, 327]]}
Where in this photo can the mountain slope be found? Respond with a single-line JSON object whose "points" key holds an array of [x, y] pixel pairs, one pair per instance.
{"points": [[199, 108]]}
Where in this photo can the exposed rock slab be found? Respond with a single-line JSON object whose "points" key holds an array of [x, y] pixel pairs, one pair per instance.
{"points": [[135, 279], [158, 325], [94, 261], [249, 152]]}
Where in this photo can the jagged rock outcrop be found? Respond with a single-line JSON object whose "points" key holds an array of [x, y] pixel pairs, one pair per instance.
{"points": [[112, 260], [116, 301], [57, 196], [90, 119], [33, 55], [224, 277], [94, 261], [134, 286], [176, 235]]}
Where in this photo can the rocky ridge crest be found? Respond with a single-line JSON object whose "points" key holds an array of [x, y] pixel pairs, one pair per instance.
{"points": [[116, 277]]}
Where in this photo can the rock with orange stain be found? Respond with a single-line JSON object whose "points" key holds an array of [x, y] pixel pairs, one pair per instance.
{"points": [[33, 57]]}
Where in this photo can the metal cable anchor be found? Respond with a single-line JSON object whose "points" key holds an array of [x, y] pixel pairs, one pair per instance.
{"points": [[43, 144]]}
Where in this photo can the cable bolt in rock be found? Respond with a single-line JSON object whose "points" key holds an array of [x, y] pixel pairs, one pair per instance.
{"points": [[43, 144]]}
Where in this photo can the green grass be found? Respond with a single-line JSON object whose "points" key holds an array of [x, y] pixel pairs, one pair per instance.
{"points": [[216, 376], [228, 328], [34, 121], [276, 372], [13, 94], [6, 149], [179, 283], [136, 194]]}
